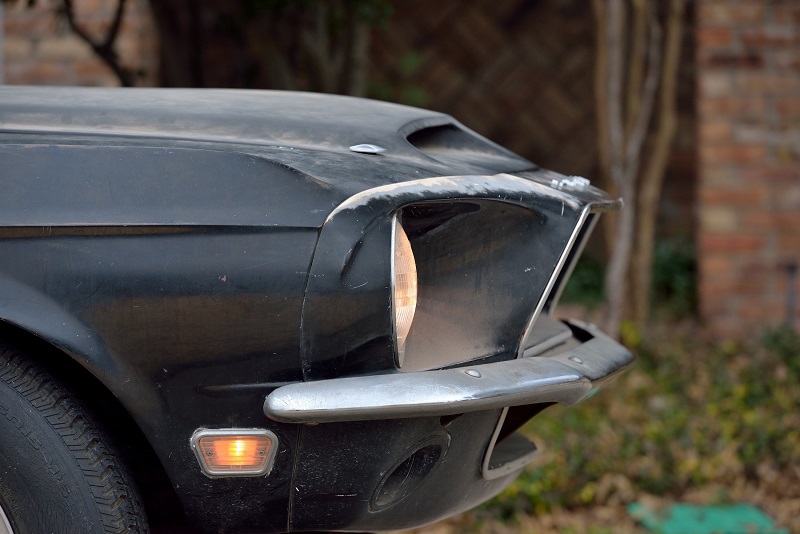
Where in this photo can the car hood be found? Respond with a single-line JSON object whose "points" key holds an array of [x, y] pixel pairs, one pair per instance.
{"points": [[319, 122], [307, 133]]}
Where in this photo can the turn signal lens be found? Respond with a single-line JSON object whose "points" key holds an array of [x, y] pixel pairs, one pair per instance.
{"points": [[234, 452], [404, 274]]}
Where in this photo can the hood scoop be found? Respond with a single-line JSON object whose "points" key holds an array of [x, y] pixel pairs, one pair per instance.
{"points": [[453, 144]]}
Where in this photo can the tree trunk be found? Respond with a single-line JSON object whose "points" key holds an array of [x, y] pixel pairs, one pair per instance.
{"points": [[653, 177], [355, 71], [623, 129], [617, 270]]}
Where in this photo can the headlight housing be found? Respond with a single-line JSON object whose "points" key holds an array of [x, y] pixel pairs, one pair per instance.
{"points": [[404, 288]]}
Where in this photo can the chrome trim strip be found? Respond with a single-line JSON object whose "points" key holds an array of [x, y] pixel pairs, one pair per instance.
{"points": [[566, 378], [398, 357], [487, 472]]}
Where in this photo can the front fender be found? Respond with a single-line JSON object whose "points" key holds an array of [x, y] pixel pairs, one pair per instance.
{"points": [[35, 312]]}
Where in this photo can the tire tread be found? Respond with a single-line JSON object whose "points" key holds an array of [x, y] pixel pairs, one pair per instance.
{"points": [[107, 477]]}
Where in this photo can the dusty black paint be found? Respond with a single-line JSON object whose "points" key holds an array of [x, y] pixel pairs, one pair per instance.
{"points": [[191, 250]]}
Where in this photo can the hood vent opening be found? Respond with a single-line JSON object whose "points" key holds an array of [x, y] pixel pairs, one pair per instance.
{"points": [[449, 137], [452, 144]]}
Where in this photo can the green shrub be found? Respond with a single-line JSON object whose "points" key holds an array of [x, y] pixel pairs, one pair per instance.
{"points": [[674, 282], [784, 343], [585, 286], [690, 414]]}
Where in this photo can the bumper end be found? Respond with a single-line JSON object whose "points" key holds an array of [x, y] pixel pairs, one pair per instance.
{"points": [[566, 378]]}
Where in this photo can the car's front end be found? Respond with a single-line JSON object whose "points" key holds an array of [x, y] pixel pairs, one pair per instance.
{"points": [[417, 377], [316, 312]]}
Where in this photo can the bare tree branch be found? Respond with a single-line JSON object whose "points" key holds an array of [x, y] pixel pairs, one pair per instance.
{"points": [[636, 62], [357, 56], [648, 93], [115, 25], [105, 47], [614, 45], [316, 43], [601, 87]]}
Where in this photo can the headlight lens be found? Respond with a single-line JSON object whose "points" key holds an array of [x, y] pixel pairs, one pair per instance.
{"points": [[404, 275]]}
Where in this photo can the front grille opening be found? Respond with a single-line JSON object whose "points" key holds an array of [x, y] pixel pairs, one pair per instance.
{"points": [[517, 416], [512, 450], [419, 219], [546, 329], [579, 333], [482, 266], [572, 259]]}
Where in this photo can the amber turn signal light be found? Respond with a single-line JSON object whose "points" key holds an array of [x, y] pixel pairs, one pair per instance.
{"points": [[230, 452]]}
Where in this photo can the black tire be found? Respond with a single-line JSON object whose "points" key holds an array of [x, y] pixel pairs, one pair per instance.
{"points": [[58, 471]]}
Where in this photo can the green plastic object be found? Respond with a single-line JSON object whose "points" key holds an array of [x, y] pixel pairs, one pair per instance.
{"points": [[696, 519]]}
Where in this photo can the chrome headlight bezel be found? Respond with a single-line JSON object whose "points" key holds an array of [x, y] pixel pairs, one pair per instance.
{"points": [[404, 288]]}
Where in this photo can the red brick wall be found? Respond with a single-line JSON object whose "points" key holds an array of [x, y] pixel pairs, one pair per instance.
{"points": [[748, 58], [40, 49], [521, 73], [748, 113]]}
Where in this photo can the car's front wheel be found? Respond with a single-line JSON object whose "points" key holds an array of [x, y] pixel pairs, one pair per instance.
{"points": [[58, 472]]}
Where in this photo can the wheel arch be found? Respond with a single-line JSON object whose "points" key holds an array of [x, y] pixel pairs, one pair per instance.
{"points": [[160, 499]]}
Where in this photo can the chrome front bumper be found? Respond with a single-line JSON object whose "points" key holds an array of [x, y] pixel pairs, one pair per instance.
{"points": [[564, 377]]}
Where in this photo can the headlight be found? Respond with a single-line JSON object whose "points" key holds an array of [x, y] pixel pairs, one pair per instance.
{"points": [[404, 279]]}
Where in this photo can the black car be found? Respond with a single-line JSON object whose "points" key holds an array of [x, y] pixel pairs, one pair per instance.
{"points": [[266, 311]]}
